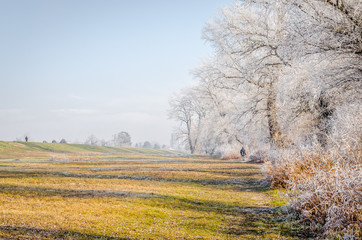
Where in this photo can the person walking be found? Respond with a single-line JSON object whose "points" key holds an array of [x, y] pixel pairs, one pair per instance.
{"points": [[243, 153]]}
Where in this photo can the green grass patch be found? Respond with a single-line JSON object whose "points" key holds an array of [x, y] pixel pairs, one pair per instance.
{"points": [[278, 197]]}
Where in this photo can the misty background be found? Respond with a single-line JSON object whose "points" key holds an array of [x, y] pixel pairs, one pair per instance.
{"points": [[69, 69]]}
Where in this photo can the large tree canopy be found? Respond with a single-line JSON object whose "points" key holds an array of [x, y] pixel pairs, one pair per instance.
{"points": [[283, 73]]}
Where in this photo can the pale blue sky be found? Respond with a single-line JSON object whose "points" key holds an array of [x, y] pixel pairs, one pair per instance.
{"points": [[71, 68]]}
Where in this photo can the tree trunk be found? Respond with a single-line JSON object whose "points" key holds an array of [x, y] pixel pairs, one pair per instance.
{"points": [[324, 113], [189, 138], [273, 125], [192, 148]]}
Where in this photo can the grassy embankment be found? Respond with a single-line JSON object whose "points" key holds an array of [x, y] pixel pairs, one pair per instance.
{"points": [[28, 150], [128, 193]]}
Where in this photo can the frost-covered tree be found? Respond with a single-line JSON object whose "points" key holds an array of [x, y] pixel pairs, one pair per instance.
{"points": [[188, 110], [286, 72], [104, 143], [92, 140], [147, 144], [122, 139], [283, 72], [325, 38], [248, 41]]}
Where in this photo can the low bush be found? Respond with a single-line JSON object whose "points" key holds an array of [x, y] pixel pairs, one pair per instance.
{"points": [[230, 152], [325, 188]]}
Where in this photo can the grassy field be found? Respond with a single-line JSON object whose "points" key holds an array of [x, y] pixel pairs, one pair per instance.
{"points": [[132, 194], [26, 150]]}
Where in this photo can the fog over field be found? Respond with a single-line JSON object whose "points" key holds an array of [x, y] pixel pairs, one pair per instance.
{"points": [[69, 69]]}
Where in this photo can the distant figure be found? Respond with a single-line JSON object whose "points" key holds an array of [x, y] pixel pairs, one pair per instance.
{"points": [[26, 138], [243, 153]]}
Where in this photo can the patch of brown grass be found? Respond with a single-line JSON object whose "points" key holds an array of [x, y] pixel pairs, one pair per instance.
{"points": [[231, 156]]}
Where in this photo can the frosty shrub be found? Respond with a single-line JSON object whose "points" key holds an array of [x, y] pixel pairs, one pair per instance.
{"points": [[230, 152], [325, 189]]}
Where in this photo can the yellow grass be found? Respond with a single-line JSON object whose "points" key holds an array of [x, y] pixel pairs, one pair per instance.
{"points": [[136, 198]]}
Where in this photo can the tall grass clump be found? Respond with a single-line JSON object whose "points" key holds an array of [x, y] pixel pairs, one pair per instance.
{"points": [[324, 188]]}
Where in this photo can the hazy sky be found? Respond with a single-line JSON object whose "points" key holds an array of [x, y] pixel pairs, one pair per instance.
{"points": [[71, 68]]}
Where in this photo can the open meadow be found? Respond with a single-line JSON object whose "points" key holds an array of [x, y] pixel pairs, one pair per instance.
{"points": [[59, 191]]}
